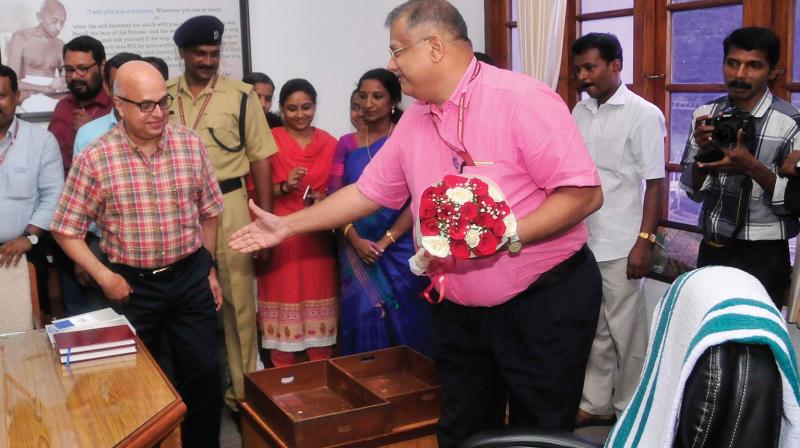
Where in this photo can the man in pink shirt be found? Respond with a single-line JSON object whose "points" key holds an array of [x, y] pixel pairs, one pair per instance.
{"points": [[516, 326]]}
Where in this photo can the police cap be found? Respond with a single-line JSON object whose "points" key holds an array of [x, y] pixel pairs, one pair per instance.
{"points": [[199, 30]]}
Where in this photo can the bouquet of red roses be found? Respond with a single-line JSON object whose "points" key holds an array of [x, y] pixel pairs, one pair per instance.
{"points": [[464, 216]]}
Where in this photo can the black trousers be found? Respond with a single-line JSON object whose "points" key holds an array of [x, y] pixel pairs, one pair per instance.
{"points": [[768, 261], [177, 306], [531, 351]]}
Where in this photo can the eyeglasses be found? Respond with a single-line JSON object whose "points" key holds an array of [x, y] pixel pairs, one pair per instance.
{"points": [[396, 53], [70, 70], [149, 106]]}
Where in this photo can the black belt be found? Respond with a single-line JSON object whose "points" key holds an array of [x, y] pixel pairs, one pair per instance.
{"points": [[229, 185], [162, 272]]}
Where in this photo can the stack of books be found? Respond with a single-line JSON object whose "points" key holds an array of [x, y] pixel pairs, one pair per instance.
{"points": [[98, 334]]}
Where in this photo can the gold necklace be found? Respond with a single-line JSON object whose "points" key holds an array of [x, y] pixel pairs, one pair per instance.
{"points": [[366, 138]]}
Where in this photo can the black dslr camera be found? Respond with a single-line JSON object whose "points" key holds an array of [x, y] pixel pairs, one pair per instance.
{"points": [[725, 133]]}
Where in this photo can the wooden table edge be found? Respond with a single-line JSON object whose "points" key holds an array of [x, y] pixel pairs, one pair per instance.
{"points": [[157, 427]]}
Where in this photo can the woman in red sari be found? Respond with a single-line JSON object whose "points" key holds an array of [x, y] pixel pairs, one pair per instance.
{"points": [[297, 288]]}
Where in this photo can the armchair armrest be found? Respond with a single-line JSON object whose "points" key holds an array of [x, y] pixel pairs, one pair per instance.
{"points": [[528, 438]]}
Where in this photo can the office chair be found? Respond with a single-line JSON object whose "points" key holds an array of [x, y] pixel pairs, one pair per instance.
{"points": [[717, 342]]}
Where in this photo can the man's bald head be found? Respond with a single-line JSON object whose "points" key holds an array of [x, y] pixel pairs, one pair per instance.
{"points": [[51, 17], [137, 78], [53, 7], [139, 94]]}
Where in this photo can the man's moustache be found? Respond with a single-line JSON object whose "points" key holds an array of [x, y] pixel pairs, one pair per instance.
{"points": [[207, 67], [739, 85], [584, 87]]}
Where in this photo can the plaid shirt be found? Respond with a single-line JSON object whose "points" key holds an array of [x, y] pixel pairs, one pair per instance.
{"points": [[767, 218], [148, 208]]}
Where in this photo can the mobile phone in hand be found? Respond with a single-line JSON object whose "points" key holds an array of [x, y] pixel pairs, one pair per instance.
{"points": [[308, 197]]}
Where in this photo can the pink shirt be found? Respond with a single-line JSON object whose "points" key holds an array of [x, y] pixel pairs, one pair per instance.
{"points": [[526, 130]]}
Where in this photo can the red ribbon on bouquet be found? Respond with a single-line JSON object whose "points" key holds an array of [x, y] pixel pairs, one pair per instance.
{"points": [[427, 292]]}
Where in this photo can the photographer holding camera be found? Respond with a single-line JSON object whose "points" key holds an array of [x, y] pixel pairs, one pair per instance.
{"points": [[731, 162]]}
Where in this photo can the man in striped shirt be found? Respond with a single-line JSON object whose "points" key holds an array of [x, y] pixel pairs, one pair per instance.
{"points": [[744, 218], [150, 188]]}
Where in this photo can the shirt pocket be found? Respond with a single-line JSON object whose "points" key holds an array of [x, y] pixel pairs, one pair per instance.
{"points": [[20, 183], [223, 128]]}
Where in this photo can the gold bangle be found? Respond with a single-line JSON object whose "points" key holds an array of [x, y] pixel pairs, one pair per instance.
{"points": [[347, 229], [390, 236]]}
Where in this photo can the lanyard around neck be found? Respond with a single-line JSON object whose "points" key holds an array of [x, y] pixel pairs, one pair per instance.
{"points": [[202, 108], [13, 140], [462, 152]]}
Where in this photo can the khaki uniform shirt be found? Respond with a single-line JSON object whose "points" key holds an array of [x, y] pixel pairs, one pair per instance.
{"points": [[222, 115]]}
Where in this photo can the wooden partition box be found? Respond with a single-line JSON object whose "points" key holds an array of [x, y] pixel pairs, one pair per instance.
{"points": [[313, 404], [409, 380]]}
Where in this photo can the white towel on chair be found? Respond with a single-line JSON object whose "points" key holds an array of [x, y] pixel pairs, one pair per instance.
{"points": [[703, 308]]}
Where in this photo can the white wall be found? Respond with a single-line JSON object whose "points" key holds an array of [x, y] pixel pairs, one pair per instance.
{"points": [[331, 43]]}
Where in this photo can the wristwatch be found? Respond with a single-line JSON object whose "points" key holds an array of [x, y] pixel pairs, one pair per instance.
{"points": [[648, 236], [514, 244], [32, 237]]}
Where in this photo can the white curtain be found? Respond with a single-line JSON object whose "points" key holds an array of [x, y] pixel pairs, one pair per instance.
{"points": [[541, 37]]}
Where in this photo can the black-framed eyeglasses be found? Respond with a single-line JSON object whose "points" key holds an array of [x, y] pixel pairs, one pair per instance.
{"points": [[70, 70], [396, 53], [149, 106]]}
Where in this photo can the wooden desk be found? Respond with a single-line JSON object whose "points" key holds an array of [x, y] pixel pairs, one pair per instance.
{"points": [[125, 401], [256, 433]]}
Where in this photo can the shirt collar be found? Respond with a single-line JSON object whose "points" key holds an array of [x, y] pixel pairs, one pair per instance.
{"points": [[463, 85], [13, 129], [162, 144], [619, 98], [759, 110], [184, 83], [10, 133], [763, 105]]}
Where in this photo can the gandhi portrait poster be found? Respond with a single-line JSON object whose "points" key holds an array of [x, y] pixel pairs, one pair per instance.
{"points": [[33, 32]]}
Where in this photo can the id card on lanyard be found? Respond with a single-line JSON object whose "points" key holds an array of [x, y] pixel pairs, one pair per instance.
{"points": [[462, 152]]}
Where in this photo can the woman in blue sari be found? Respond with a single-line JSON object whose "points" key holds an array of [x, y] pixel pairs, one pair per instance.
{"points": [[380, 302]]}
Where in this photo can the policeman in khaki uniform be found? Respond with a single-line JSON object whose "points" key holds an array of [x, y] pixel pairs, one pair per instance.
{"points": [[212, 105]]}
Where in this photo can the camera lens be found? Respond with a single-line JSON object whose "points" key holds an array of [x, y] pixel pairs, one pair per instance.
{"points": [[724, 134]]}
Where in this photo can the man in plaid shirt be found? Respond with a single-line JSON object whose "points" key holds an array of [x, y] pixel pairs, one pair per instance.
{"points": [[150, 188], [744, 219]]}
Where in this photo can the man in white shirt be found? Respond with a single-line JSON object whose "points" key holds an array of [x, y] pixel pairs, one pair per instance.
{"points": [[625, 136]]}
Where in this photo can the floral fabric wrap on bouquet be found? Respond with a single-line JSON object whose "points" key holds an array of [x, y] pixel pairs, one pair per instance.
{"points": [[463, 216]]}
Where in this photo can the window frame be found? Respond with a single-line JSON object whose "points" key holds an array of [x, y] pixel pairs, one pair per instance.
{"points": [[652, 53], [652, 49]]}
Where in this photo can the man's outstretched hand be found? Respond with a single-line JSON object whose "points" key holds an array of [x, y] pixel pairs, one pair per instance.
{"points": [[267, 230]]}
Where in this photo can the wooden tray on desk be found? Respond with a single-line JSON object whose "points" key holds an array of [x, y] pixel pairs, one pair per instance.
{"points": [[257, 433], [404, 377], [313, 404]]}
